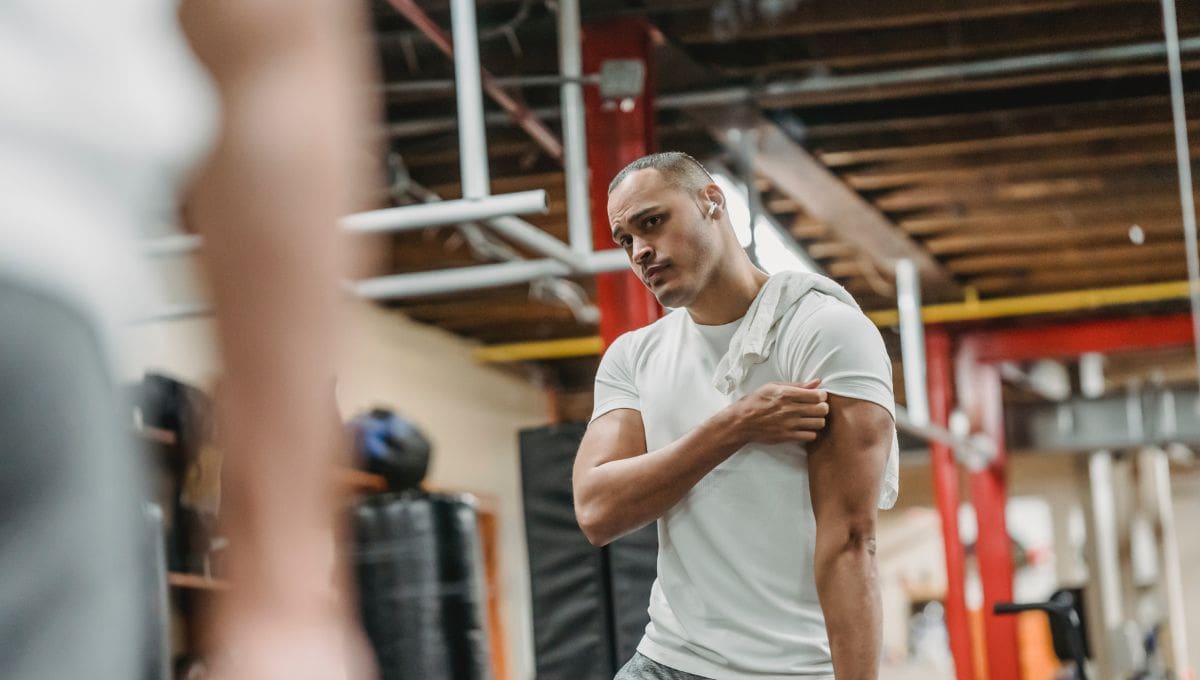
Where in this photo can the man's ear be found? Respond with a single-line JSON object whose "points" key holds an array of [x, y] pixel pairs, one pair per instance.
{"points": [[713, 201]]}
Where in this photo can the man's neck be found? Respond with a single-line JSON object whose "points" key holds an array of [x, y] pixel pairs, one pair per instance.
{"points": [[728, 296]]}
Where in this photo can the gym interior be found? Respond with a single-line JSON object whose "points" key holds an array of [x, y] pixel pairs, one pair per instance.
{"points": [[1003, 186]]}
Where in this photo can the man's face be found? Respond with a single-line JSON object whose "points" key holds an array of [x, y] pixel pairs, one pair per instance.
{"points": [[672, 246]]}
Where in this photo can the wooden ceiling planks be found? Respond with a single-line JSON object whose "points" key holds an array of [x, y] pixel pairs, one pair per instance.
{"points": [[1016, 183]]}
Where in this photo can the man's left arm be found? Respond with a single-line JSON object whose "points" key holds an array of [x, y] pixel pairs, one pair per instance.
{"points": [[846, 467]]}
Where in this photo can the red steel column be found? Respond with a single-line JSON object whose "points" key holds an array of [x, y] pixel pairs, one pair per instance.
{"points": [[945, 491], [993, 550], [618, 133]]}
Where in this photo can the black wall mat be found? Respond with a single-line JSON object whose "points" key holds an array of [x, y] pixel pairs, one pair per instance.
{"points": [[589, 604]]}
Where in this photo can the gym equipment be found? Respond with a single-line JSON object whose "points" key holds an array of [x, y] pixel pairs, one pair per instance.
{"points": [[1066, 628], [589, 604], [391, 447], [422, 596]]}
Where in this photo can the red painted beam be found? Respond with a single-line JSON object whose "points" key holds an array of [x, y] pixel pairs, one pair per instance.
{"points": [[1074, 338], [946, 496], [616, 136], [993, 548]]}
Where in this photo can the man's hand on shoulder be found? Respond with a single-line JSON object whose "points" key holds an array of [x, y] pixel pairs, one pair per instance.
{"points": [[780, 412]]}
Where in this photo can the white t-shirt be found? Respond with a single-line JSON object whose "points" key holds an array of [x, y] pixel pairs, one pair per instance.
{"points": [[103, 113], [735, 596]]}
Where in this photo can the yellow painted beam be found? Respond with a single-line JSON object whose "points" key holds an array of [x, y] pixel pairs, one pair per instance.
{"points": [[1044, 303], [972, 309], [542, 349]]}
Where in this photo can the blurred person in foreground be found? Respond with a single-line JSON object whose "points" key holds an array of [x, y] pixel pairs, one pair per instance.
{"points": [[111, 114]]}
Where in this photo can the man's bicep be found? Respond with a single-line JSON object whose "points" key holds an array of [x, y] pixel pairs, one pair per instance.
{"points": [[612, 436], [846, 463]]}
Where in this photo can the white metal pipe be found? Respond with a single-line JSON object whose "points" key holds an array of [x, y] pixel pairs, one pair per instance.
{"points": [[481, 276], [423, 215], [410, 217], [575, 162], [912, 341], [176, 244], [523, 233], [472, 141], [1184, 166], [966, 449], [1158, 469], [174, 312]]}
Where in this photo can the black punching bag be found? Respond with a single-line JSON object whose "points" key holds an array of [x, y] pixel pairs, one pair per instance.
{"points": [[421, 586]]}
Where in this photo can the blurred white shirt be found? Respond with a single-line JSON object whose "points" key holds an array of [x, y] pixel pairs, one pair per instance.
{"points": [[103, 112]]}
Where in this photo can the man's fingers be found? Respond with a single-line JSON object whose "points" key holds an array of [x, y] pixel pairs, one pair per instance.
{"points": [[805, 395], [811, 424], [811, 384]]}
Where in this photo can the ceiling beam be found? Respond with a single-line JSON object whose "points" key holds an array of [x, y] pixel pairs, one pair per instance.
{"points": [[1061, 280], [1089, 256], [794, 172], [1162, 205], [1000, 143], [875, 180], [1040, 240]]}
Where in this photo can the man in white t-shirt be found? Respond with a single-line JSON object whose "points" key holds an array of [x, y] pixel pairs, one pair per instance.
{"points": [[766, 497]]}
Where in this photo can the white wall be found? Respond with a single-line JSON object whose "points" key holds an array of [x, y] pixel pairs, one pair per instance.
{"points": [[470, 412]]}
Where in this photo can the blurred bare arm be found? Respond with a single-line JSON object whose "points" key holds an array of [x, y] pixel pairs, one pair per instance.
{"points": [[291, 77]]}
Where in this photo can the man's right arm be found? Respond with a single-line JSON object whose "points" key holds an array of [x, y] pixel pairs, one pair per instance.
{"points": [[620, 486]]}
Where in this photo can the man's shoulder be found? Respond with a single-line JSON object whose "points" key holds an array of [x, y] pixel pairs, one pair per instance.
{"points": [[818, 310]]}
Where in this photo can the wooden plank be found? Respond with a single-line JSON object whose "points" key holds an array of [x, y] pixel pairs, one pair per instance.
{"points": [[360, 482], [960, 123], [972, 195], [1076, 258], [875, 180], [1008, 142], [1158, 206], [831, 250], [946, 43], [1037, 240], [797, 174], [1065, 280]]}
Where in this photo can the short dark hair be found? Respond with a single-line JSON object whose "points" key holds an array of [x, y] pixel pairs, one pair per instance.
{"points": [[677, 168]]}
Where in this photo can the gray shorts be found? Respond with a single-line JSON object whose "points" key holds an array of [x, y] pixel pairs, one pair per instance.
{"points": [[69, 567], [643, 668]]}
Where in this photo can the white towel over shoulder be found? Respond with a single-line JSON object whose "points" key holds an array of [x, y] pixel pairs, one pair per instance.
{"points": [[755, 338]]}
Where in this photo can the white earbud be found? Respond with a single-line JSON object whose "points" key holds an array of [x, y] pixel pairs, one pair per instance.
{"points": [[712, 209]]}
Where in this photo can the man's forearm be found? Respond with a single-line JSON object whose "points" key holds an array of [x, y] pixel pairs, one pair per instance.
{"points": [[267, 203], [620, 496], [848, 587]]}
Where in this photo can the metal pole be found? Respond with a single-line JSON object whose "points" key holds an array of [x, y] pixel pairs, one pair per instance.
{"points": [[498, 208], [520, 113], [472, 140], [481, 276], [912, 341], [1184, 165], [176, 244], [570, 59], [1157, 467], [423, 215]]}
